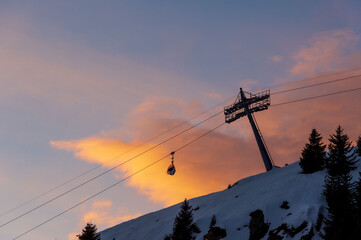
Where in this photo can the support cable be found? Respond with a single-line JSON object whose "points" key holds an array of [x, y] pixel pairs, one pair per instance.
{"points": [[112, 159], [318, 96], [168, 130], [110, 169], [279, 104], [318, 84], [170, 139], [312, 78], [116, 183]]}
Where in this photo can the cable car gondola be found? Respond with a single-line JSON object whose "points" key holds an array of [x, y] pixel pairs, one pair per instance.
{"points": [[171, 168]]}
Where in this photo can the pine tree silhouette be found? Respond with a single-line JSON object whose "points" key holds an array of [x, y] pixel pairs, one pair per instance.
{"points": [[183, 227], [342, 158], [340, 223], [89, 232], [359, 146], [358, 205], [313, 154]]}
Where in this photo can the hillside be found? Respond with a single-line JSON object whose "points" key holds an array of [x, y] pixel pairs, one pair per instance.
{"points": [[232, 207]]}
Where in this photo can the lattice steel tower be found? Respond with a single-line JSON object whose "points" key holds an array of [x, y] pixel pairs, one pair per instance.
{"points": [[246, 106]]}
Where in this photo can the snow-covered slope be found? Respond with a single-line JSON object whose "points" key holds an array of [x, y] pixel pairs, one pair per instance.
{"points": [[266, 191]]}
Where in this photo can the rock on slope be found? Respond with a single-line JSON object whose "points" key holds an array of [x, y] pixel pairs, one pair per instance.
{"points": [[232, 207]]}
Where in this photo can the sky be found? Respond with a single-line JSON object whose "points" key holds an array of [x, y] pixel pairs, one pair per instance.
{"points": [[89, 83]]}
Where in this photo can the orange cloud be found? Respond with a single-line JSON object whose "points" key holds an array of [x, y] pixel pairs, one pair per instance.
{"points": [[72, 236], [222, 157], [103, 219], [97, 149], [228, 155], [102, 204], [204, 167], [103, 216]]}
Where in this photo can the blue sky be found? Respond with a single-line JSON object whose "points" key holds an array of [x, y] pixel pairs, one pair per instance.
{"points": [[75, 71]]}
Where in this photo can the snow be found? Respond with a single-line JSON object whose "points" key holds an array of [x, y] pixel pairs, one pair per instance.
{"points": [[265, 191]]}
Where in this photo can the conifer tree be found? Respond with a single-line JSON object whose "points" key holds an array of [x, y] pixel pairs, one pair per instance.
{"points": [[89, 232], [340, 223], [313, 154], [183, 227], [341, 159], [358, 205], [359, 146]]}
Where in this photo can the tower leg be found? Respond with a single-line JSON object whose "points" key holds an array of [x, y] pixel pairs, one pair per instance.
{"points": [[261, 146]]}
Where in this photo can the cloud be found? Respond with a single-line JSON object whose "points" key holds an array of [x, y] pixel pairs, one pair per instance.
{"points": [[72, 236], [209, 158], [325, 52], [214, 95], [102, 204], [276, 59], [286, 127], [200, 167], [231, 153], [247, 84], [221, 157], [291, 123], [103, 216], [53, 77], [104, 219], [99, 150]]}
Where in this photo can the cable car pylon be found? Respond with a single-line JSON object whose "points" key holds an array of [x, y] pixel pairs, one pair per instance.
{"points": [[246, 106]]}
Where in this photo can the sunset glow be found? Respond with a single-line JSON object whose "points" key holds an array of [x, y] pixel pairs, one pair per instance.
{"points": [[124, 83]]}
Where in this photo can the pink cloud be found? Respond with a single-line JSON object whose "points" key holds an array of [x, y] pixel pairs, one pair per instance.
{"points": [[325, 52], [277, 59], [214, 95], [247, 84], [70, 77]]}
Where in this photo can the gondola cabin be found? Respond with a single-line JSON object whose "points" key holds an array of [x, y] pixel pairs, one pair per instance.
{"points": [[171, 168]]}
